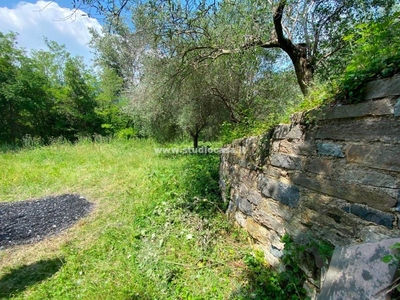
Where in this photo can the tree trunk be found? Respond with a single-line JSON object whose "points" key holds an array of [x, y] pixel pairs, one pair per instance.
{"points": [[298, 53], [195, 140], [303, 67]]}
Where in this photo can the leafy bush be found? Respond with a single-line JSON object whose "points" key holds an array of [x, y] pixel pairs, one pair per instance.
{"points": [[127, 133], [376, 54]]}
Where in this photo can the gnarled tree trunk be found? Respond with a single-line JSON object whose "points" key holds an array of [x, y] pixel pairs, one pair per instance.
{"points": [[298, 53]]}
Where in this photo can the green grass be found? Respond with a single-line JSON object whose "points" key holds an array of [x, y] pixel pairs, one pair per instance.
{"points": [[157, 231]]}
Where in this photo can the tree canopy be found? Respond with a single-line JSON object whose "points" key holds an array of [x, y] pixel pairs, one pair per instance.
{"points": [[308, 31]]}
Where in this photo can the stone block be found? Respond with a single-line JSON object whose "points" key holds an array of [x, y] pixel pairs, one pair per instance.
{"points": [[240, 219], [367, 176], [272, 172], [277, 190], [330, 225], [231, 208], [366, 129], [285, 161], [297, 118], [285, 146], [331, 215], [308, 216], [268, 256], [254, 196], [270, 221], [272, 207], [375, 156], [276, 252], [244, 206], [287, 131], [372, 215], [295, 132], [295, 228], [275, 146], [357, 272], [280, 131], [329, 149], [276, 240], [322, 166], [382, 88], [242, 190], [375, 233], [247, 177], [257, 231], [349, 192], [371, 108], [296, 147], [397, 108]]}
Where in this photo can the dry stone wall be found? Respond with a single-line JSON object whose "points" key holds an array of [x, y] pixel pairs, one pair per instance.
{"points": [[332, 174]]}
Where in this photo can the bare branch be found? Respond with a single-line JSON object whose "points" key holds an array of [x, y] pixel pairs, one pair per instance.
{"points": [[196, 49], [340, 47]]}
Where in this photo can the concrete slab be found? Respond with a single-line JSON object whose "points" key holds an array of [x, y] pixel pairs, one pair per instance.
{"points": [[357, 272]]}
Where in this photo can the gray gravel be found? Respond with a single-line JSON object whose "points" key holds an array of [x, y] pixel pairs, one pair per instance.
{"points": [[25, 222]]}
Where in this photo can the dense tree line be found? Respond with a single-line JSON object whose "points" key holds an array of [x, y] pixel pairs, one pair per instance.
{"points": [[50, 94]]}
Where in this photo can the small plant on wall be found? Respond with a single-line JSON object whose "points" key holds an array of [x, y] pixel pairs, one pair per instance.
{"points": [[394, 288], [265, 282]]}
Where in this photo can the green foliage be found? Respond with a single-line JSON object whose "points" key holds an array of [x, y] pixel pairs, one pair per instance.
{"points": [[50, 94], [112, 105], [379, 42], [268, 283], [272, 102], [24, 101], [394, 258], [375, 48], [192, 66], [126, 133]]}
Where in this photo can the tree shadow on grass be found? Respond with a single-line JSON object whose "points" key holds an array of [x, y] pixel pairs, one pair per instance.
{"points": [[21, 278]]}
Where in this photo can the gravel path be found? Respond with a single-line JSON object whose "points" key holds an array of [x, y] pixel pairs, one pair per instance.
{"points": [[25, 222]]}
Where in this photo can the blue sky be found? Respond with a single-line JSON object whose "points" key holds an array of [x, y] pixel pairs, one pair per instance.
{"points": [[35, 19], [13, 3]]}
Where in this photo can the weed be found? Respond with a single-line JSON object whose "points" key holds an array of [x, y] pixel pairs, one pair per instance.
{"points": [[265, 282]]}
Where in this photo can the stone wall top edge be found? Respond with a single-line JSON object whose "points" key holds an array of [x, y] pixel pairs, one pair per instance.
{"points": [[381, 107], [384, 87]]}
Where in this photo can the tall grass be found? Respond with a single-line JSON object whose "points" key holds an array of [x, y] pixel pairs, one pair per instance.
{"points": [[157, 231]]}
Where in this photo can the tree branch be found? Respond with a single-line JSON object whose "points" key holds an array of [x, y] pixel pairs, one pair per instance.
{"points": [[319, 28], [340, 47], [278, 23], [217, 93]]}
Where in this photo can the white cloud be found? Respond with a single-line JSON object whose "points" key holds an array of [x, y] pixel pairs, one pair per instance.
{"points": [[33, 22]]}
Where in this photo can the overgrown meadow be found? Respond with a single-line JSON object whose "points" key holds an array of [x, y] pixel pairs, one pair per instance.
{"points": [[158, 229]]}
